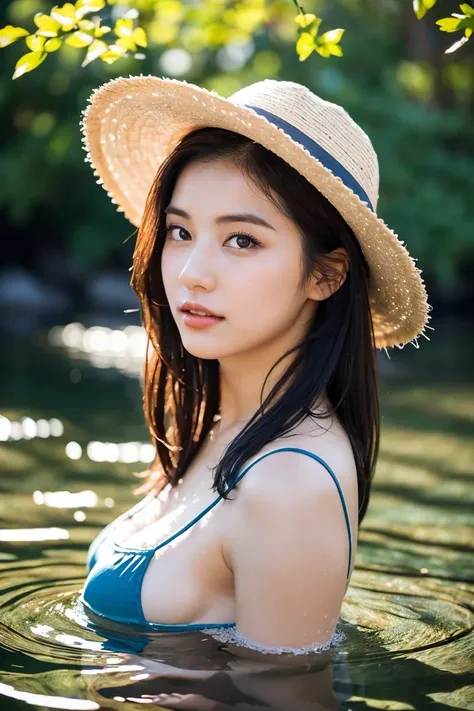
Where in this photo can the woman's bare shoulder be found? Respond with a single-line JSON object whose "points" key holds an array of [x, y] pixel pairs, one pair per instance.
{"points": [[327, 439], [290, 474]]}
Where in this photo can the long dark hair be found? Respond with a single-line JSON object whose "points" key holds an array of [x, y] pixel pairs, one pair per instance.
{"points": [[337, 354]]}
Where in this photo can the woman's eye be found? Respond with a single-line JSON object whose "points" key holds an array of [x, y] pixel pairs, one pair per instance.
{"points": [[248, 240], [170, 228]]}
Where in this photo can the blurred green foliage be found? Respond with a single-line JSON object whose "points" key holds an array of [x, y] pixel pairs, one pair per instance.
{"points": [[211, 23], [415, 101]]}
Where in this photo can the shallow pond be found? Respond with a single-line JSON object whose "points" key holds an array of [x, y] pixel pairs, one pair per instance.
{"points": [[71, 437]]}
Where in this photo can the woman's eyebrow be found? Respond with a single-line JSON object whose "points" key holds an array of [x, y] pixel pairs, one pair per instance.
{"points": [[243, 217]]}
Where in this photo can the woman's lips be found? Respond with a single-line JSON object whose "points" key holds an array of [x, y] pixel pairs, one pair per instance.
{"points": [[195, 321]]}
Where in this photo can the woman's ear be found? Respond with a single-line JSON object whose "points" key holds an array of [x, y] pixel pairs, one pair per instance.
{"points": [[331, 275]]}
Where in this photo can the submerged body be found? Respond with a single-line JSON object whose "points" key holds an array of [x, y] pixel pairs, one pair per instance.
{"points": [[167, 564]]}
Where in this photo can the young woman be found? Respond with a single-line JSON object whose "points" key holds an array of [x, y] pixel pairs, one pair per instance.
{"points": [[266, 282]]}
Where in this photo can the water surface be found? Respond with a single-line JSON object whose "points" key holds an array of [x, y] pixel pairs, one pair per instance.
{"points": [[71, 439]]}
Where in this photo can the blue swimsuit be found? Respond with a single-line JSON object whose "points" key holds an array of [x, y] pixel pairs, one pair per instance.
{"points": [[113, 586]]}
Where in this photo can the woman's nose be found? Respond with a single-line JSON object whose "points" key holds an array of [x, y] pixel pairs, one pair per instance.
{"points": [[197, 270]]}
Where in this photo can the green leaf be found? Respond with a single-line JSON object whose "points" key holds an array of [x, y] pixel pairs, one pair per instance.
{"points": [[10, 34], [53, 44], [305, 45], [79, 39], [35, 43], [65, 15], [28, 62], [139, 37], [47, 27], [96, 49]]}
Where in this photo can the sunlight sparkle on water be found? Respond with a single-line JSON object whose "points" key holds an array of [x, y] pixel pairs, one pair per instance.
{"points": [[66, 499], [51, 702], [103, 347], [34, 534], [124, 452], [27, 428]]}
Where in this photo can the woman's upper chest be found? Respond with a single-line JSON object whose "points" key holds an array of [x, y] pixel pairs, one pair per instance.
{"points": [[183, 529], [186, 576]]}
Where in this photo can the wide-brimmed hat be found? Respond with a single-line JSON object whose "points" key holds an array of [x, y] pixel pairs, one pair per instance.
{"points": [[132, 124]]}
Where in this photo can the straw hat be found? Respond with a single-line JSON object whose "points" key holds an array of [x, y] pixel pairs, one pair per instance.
{"points": [[132, 124]]}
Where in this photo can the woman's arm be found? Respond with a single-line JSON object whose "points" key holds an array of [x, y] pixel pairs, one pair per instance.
{"points": [[288, 551]]}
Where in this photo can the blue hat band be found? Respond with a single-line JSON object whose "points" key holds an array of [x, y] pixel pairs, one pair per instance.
{"points": [[316, 151]]}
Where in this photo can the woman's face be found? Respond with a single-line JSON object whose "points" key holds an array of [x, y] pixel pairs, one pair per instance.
{"points": [[248, 273]]}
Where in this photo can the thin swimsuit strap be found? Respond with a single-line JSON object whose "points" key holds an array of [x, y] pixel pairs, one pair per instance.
{"points": [[150, 551]]}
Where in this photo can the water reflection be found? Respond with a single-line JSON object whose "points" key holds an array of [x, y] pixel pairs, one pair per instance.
{"points": [[27, 428], [103, 347], [408, 613]]}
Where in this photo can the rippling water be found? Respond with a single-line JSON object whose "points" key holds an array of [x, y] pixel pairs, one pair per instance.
{"points": [[408, 614]]}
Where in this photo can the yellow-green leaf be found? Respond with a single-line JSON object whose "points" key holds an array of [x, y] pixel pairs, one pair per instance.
{"points": [[95, 5], [110, 57], [65, 15], [322, 50], [334, 49], [53, 44], [467, 10], [95, 50], [28, 62], [126, 43], [47, 27], [102, 30], [10, 34], [86, 25], [315, 26], [468, 32], [421, 7], [305, 45], [115, 52], [139, 37], [35, 43], [333, 36], [123, 28], [304, 20], [79, 39], [83, 7], [449, 24]]}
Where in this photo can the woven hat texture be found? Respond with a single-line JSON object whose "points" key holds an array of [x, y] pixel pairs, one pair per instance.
{"points": [[132, 124]]}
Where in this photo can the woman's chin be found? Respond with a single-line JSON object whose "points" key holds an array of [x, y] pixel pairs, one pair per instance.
{"points": [[203, 351]]}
